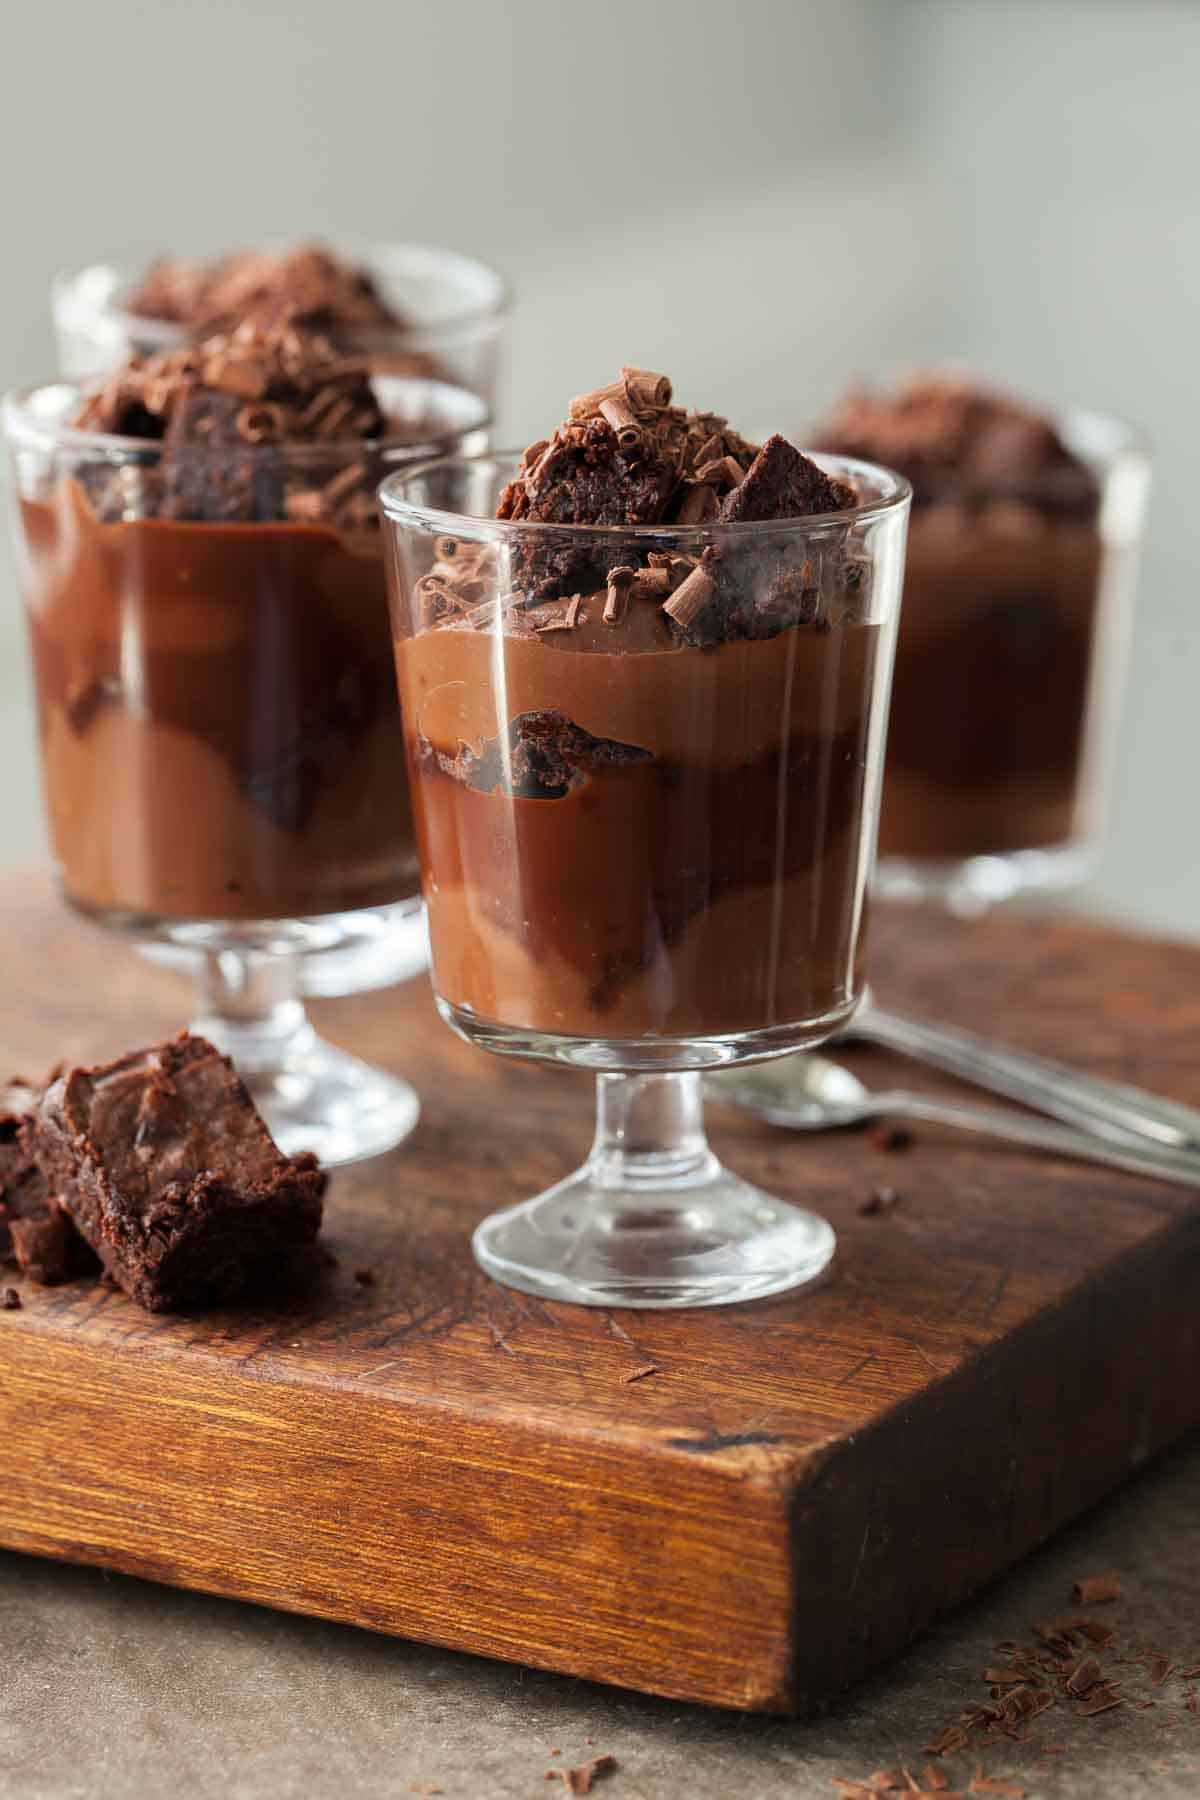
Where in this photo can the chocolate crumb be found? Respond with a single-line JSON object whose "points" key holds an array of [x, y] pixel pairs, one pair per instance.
{"points": [[580, 1780], [935, 1778], [879, 1200], [365, 1277], [11, 1301], [1101, 1699], [1095, 1590], [640, 1374], [890, 1137], [1160, 1667]]}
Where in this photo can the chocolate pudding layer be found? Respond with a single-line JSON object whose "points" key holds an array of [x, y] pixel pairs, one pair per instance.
{"points": [[1001, 616], [640, 758], [206, 597]]}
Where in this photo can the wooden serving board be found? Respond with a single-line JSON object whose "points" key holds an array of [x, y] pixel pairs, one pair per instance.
{"points": [[799, 1487]]}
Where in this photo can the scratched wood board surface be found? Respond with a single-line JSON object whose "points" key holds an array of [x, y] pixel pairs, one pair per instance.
{"points": [[796, 1489]]}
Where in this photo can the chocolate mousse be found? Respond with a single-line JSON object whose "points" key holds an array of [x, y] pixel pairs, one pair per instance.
{"points": [[207, 605], [640, 758], [986, 744]]}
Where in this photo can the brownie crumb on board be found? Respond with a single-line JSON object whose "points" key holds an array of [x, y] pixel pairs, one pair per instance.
{"points": [[10, 1300], [890, 1137], [879, 1200], [365, 1277], [640, 1374]]}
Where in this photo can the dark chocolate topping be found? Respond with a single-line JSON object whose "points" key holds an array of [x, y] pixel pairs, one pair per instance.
{"points": [[319, 289], [627, 456], [951, 436], [239, 397]]}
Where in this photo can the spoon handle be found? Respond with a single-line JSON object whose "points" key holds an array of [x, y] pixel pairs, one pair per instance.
{"points": [[1038, 1134], [1108, 1109]]}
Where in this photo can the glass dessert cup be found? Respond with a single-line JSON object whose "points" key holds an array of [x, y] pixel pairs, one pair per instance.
{"points": [[454, 311], [1009, 669], [217, 720], [642, 857]]}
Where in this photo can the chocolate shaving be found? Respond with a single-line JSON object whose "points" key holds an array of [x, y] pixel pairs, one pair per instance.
{"points": [[581, 1780], [640, 1374], [646, 390], [935, 1779], [1095, 1590], [699, 505], [1102, 1699], [617, 598], [1084, 1677], [616, 412], [690, 597]]}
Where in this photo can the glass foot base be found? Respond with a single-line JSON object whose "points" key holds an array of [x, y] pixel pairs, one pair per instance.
{"points": [[708, 1240], [972, 885], [351, 953], [321, 1099]]}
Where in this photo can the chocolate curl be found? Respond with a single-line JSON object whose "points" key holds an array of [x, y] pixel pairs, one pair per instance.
{"points": [[567, 620], [305, 507], [617, 414], [699, 504], [617, 601], [645, 389], [726, 468], [484, 615], [530, 455], [346, 482], [261, 423], [652, 584], [236, 375], [690, 597], [711, 450], [586, 406]]}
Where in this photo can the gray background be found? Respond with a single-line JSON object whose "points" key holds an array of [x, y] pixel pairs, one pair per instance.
{"points": [[763, 199]]}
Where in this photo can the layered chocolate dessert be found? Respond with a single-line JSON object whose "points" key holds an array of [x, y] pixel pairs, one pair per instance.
{"points": [[203, 572], [639, 743], [998, 630]]}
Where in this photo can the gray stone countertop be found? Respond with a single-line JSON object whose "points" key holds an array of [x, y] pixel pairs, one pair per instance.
{"points": [[112, 1689]]}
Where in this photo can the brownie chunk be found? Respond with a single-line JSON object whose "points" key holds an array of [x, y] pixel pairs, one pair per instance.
{"points": [[35, 1232], [782, 484], [170, 1174], [545, 757]]}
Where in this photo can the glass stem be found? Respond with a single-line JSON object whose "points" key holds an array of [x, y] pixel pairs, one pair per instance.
{"points": [[650, 1132], [250, 1007]]}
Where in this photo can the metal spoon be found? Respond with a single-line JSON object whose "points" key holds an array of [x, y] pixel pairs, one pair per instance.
{"points": [[1109, 1109], [810, 1093]]}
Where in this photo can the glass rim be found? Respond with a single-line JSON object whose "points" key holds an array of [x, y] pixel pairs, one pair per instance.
{"points": [[895, 498], [65, 285], [23, 428]]}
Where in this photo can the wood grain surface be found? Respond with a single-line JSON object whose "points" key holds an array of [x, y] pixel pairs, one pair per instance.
{"points": [[798, 1488]]}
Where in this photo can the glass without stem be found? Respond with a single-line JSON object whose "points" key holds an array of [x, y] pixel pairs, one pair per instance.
{"points": [[217, 718], [645, 839], [1009, 670]]}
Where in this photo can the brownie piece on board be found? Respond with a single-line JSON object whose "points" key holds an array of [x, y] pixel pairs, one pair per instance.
{"points": [[168, 1171]]}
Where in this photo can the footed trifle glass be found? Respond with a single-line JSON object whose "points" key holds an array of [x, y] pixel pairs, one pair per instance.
{"points": [[412, 309], [217, 715], [645, 840], [1018, 597]]}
